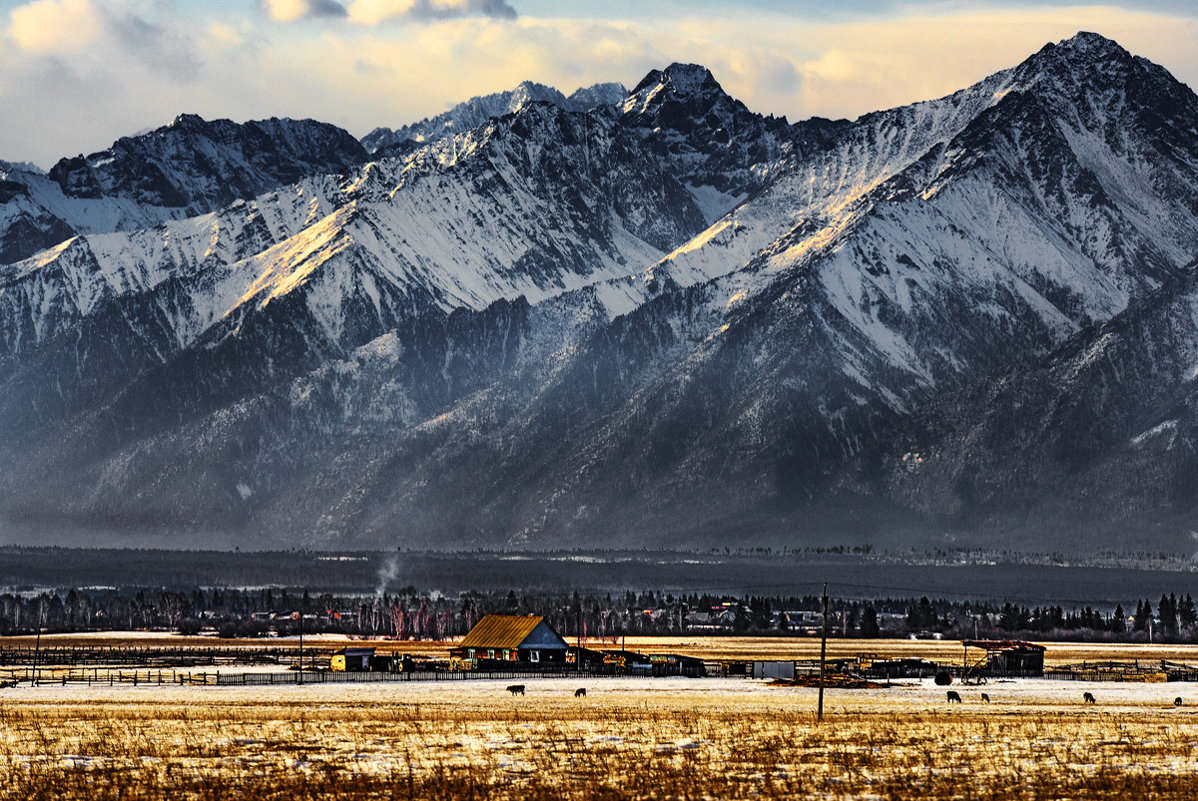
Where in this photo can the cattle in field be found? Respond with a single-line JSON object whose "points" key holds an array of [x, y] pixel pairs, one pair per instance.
{"points": [[985, 698], [1177, 701], [516, 689], [1089, 698], [953, 697], [581, 692]]}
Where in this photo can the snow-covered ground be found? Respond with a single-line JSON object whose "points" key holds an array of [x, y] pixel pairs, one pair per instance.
{"points": [[1006, 695]]}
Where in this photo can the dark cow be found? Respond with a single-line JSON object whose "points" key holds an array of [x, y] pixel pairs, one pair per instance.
{"points": [[1089, 698], [581, 692], [953, 697], [985, 698], [516, 689], [1177, 701]]}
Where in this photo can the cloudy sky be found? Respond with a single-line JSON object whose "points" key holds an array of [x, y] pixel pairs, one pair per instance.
{"points": [[77, 74]]}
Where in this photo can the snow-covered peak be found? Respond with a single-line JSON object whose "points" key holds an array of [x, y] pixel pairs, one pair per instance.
{"points": [[680, 83], [461, 118], [200, 165], [7, 167], [477, 111], [1087, 45], [600, 94]]}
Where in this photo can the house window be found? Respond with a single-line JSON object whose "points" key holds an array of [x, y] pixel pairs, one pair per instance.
{"points": [[490, 653], [534, 656]]}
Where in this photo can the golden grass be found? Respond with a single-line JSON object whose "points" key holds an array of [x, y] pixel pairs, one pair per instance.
{"points": [[672, 739]]}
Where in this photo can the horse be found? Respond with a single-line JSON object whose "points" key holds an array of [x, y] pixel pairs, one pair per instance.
{"points": [[985, 698], [581, 692], [953, 697], [1177, 701], [1089, 698], [516, 689]]}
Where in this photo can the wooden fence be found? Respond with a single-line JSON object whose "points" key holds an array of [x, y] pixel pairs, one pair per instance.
{"points": [[1139, 670], [155, 656], [104, 677]]}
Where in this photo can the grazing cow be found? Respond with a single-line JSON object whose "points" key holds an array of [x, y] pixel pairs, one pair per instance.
{"points": [[1177, 701], [985, 698], [1089, 698], [953, 697], [581, 692], [516, 689]]}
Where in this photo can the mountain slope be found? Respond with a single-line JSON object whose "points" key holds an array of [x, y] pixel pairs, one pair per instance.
{"points": [[1098, 436]]}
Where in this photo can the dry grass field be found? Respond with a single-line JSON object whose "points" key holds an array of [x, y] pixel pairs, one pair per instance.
{"points": [[628, 738]]}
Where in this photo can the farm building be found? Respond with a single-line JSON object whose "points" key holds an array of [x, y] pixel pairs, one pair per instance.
{"points": [[525, 640], [586, 659], [677, 665], [351, 659], [628, 662], [1006, 658]]}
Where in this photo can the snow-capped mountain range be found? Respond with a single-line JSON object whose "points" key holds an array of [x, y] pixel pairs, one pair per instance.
{"points": [[646, 317]]}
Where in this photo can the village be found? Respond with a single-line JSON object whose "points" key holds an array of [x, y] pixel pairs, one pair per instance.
{"points": [[518, 647]]}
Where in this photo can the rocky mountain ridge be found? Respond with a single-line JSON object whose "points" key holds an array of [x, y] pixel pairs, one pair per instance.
{"points": [[665, 320]]}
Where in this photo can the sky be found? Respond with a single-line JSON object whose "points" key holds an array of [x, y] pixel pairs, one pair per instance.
{"points": [[75, 75]]}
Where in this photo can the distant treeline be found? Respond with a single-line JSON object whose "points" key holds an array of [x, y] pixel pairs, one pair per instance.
{"points": [[409, 614]]}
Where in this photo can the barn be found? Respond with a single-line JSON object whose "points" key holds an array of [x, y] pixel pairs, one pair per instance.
{"points": [[501, 640]]}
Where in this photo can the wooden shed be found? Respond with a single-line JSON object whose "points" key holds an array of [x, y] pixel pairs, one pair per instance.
{"points": [[1006, 658], [351, 659], [526, 640]]}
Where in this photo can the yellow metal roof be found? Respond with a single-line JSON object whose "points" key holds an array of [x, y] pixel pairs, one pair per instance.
{"points": [[500, 631]]}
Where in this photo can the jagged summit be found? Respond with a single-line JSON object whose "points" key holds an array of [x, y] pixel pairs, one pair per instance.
{"points": [[384, 142], [678, 79], [720, 149], [600, 94], [1086, 44], [1089, 62], [199, 165]]}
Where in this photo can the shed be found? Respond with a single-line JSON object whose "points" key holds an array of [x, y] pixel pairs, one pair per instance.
{"points": [[628, 662], [351, 659], [525, 639], [677, 665], [1006, 658]]}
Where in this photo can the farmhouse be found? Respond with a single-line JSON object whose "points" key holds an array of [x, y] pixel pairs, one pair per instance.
{"points": [[524, 640]]}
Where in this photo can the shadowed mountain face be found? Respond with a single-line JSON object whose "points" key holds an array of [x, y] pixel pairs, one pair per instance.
{"points": [[665, 320]]}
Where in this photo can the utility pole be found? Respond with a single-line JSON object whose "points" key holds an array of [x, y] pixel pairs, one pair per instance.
{"points": [[823, 651], [300, 680]]}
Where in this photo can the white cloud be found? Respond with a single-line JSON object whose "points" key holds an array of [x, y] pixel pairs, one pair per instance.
{"points": [[372, 12], [54, 26]]}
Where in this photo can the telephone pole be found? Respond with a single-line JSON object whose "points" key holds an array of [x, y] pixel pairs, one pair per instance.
{"points": [[823, 651], [300, 677]]}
